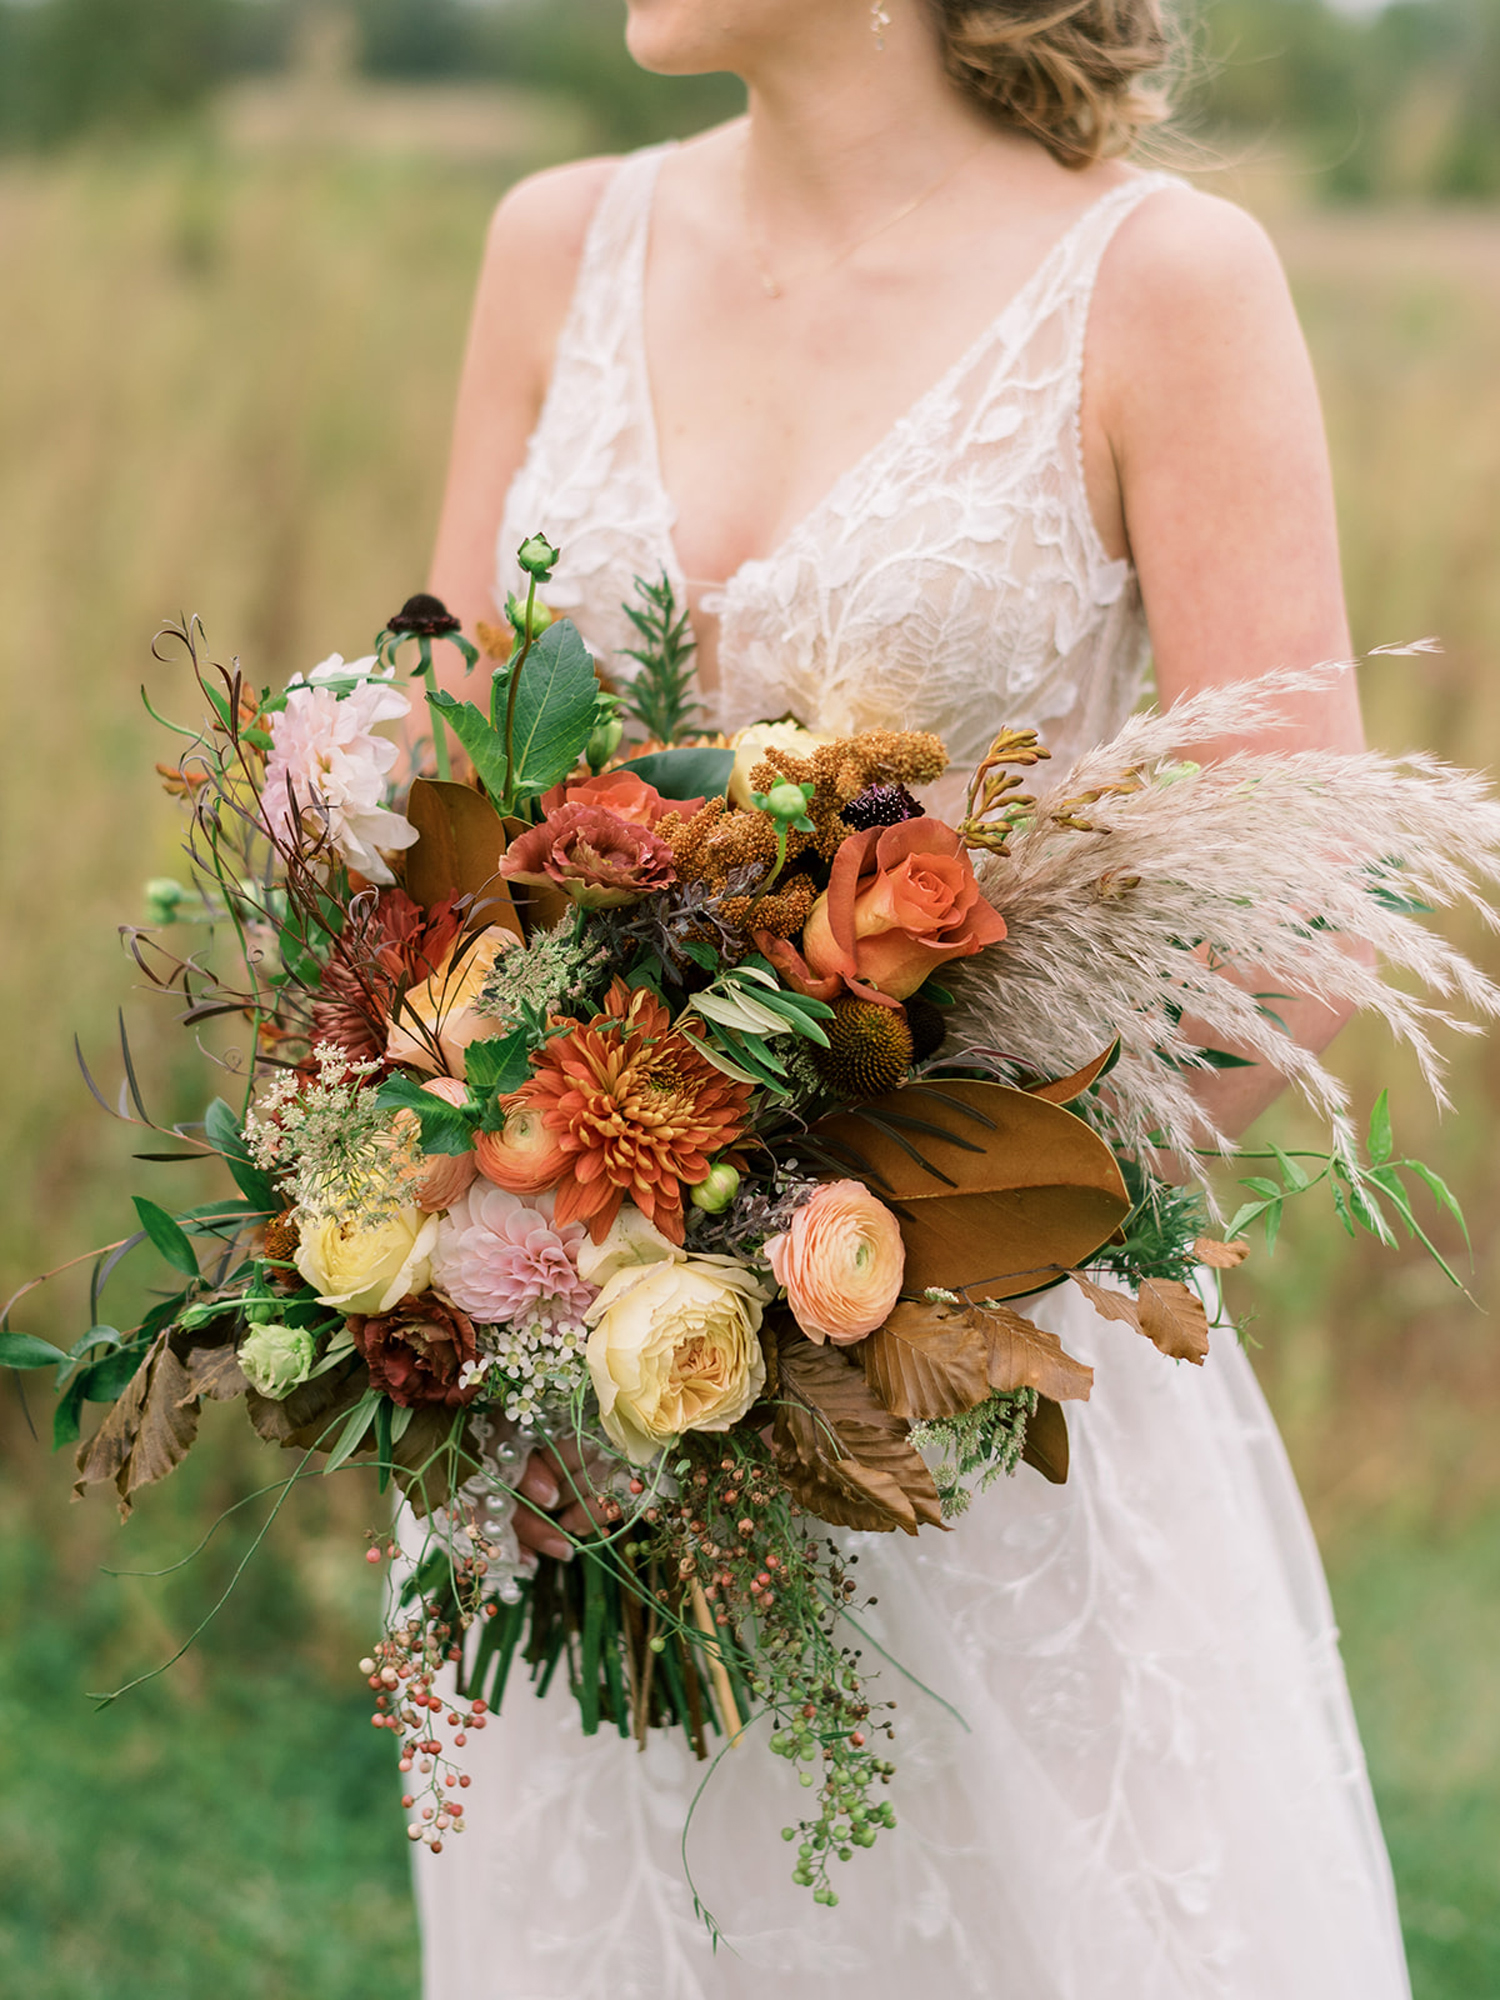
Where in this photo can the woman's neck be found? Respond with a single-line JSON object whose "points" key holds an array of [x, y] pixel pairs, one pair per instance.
{"points": [[841, 131]]}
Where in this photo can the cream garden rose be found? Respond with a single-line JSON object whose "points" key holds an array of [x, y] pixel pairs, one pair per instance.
{"points": [[675, 1348], [368, 1270]]}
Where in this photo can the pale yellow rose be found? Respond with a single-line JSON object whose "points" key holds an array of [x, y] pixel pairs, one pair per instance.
{"points": [[674, 1348], [750, 746], [368, 1270], [444, 1005]]}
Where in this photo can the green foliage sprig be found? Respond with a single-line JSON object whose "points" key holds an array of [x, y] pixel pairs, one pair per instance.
{"points": [[661, 697]]}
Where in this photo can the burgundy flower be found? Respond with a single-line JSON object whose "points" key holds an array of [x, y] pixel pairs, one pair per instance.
{"points": [[417, 1350], [387, 946], [597, 858]]}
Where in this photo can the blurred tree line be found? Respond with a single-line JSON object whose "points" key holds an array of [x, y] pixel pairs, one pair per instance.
{"points": [[1404, 102]]}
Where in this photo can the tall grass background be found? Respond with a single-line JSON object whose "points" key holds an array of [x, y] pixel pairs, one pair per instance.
{"points": [[226, 387]]}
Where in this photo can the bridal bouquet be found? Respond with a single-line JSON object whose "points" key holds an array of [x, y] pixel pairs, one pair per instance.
{"points": [[701, 1112]]}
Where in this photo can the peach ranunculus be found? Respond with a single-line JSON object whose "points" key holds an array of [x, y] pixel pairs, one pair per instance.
{"points": [[437, 1180], [623, 793], [901, 901], [525, 1156], [592, 855], [842, 1261], [437, 1018]]}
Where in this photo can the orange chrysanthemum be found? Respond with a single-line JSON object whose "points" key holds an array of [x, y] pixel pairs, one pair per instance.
{"points": [[638, 1110]]}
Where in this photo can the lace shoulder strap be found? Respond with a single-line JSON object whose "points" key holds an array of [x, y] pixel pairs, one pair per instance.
{"points": [[1081, 253], [610, 270]]}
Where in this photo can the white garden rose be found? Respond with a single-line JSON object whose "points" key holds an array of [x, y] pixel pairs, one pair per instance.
{"points": [[633, 1240], [750, 747], [368, 1270], [674, 1348]]}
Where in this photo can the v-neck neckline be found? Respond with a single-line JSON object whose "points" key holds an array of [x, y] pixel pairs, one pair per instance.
{"points": [[937, 392]]}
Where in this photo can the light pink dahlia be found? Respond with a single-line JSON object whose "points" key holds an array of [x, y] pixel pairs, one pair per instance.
{"points": [[506, 1261]]}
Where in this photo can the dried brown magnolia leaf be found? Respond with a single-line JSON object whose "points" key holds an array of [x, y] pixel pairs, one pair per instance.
{"points": [[843, 1456], [1170, 1315], [1046, 1446], [1220, 1256], [926, 1362], [1063, 1089], [1174, 1317], [461, 841], [995, 1189], [425, 1470], [1025, 1356], [148, 1431]]}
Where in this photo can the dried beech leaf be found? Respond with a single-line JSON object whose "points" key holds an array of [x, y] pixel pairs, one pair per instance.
{"points": [[147, 1433], [1174, 1318], [1063, 1089], [1023, 1356], [926, 1362], [1220, 1256], [1109, 1304], [1170, 1315], [842, 1456], [1046, 1446], [1005, 1190], [215, 1372], [462, 840], [424, 1471]]}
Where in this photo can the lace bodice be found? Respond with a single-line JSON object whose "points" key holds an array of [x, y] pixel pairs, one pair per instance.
{"points": [[952, 579]]}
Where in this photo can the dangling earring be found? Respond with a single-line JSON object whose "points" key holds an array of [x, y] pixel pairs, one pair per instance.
{"points": [[880, 20]]}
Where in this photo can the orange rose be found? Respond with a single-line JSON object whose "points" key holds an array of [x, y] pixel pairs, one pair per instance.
{"points": [[524, 1156], [901, 900], [841, 1262]]}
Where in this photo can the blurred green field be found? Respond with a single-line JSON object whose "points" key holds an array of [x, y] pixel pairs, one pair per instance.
{"points": [[225, 389]]}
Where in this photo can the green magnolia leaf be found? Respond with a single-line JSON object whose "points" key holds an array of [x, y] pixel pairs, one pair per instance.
{"points": [[1381, 1141], [486, 746], [445, 1128], [24, 1350], [554, 710], [168, 1237], [685, 773], [499, 1063]]}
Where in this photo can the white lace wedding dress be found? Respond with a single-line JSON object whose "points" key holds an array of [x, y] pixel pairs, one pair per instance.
{"points": [[1156, 1790]]}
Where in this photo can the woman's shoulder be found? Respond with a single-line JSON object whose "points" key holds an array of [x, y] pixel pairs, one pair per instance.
{"points": [[539, 227], [1181, 250]]}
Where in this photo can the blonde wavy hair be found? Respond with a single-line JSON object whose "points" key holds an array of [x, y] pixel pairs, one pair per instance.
{"points": [[1070, 73]]}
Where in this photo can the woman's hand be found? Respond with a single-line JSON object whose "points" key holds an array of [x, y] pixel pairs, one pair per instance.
{"points": [[552, 1483]]}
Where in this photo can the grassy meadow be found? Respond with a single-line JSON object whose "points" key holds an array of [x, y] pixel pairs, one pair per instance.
{"points": [[226, 390]]}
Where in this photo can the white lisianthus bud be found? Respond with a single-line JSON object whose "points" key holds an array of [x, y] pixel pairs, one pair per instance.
{"points": [[277, 1359]]}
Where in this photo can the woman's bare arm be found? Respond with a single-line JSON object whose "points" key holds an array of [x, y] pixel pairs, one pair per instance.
{"points": [[1207, 439], [530, 262]]}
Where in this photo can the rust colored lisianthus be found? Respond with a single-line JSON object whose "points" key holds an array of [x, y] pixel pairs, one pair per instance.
{"points": [[637, 1109], [622, 793], [901, 901], [594, 856], [417, 1350], [388, 944]]}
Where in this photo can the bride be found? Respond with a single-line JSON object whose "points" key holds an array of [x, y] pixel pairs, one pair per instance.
{"points": [[933, 408]]}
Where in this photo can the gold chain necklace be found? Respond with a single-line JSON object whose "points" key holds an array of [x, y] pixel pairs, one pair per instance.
{"points": [[773, 287]]}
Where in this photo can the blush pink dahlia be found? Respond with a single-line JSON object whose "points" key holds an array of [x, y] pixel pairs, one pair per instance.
{"points": [[506, 1261], [327, 773]]}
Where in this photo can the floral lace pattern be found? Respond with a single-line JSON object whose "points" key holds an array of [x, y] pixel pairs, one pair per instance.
{"points": [[1127, 1765]]}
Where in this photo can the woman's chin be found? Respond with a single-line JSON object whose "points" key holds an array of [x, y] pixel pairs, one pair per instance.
{"points": [[682, 37]]}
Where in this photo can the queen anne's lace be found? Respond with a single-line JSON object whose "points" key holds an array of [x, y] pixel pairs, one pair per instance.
{"points": [[1155, 1791]]}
